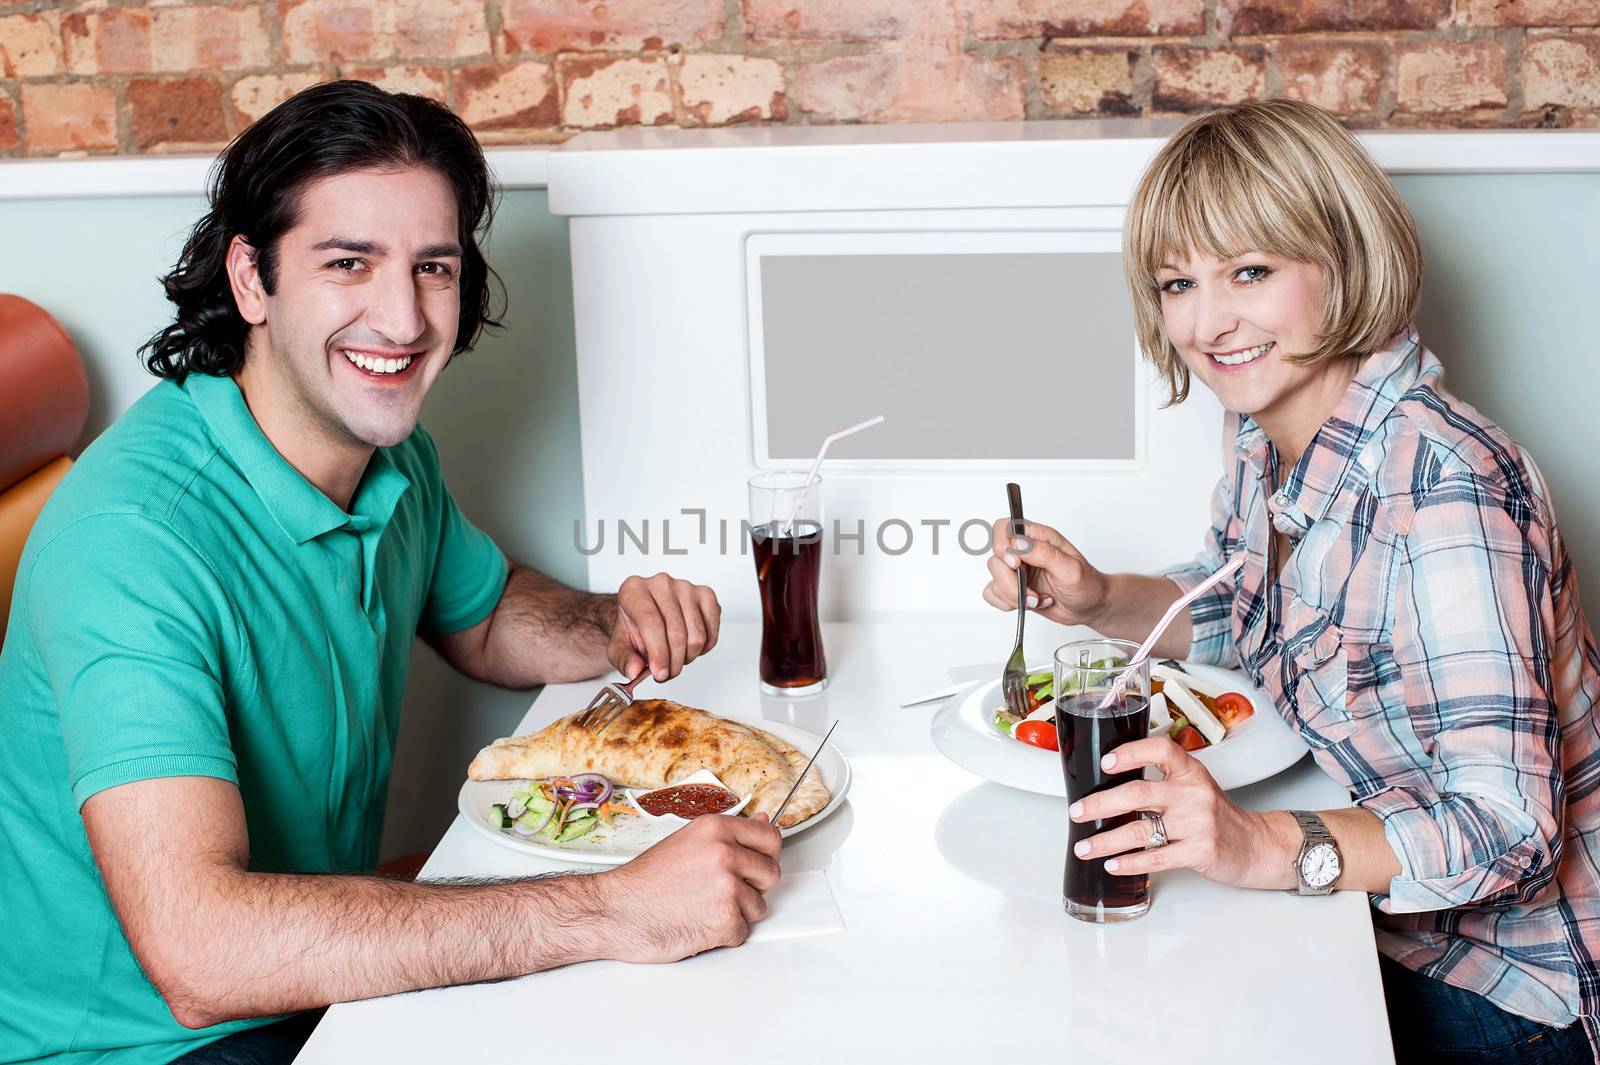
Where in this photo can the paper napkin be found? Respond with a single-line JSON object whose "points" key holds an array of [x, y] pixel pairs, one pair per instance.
{"points": [[801, 905]]}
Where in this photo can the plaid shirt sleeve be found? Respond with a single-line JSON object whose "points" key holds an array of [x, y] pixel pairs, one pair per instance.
{"points": [[1477, 822], [1211, 615]]}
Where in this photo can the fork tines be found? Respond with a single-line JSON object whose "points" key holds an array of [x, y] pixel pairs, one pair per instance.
{"points": [[607, 705], [1015, 687]]}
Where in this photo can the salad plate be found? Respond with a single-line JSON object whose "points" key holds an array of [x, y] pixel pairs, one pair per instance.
{"points": [[629, 836], [964, 731]]}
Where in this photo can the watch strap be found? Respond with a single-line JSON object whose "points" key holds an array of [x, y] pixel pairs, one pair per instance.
{"points": [[1315, 830]]}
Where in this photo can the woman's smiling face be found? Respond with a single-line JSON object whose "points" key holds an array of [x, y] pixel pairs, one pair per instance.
{"points": [[1233, 320]]}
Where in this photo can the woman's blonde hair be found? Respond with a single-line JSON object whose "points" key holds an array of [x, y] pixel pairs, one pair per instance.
{"points": [[1282, 178]]}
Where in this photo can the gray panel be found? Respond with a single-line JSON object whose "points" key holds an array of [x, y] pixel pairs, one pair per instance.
{"points": [[969, 356]]}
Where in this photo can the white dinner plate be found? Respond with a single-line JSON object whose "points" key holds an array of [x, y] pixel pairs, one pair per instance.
{"points": [[632, 835], [963, 730]]}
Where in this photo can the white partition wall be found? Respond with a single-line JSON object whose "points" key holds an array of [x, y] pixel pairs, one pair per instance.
{"points": [[669, 231]]}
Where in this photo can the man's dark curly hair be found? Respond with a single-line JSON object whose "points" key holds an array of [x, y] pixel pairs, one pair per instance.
{"points": [[328, 129]]}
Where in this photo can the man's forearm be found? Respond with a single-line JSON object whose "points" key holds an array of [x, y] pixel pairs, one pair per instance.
{"points": [[220, 942], [543, 632], [259, 944]]}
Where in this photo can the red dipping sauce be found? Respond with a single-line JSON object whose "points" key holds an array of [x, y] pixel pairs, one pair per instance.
{"points": [[688, 800]]}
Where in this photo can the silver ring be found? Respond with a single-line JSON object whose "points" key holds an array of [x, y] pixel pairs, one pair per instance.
{"points": [[1158, 832]]}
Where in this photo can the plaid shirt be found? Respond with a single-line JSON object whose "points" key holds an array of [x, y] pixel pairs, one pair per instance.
{"points": [[1425, 640]]}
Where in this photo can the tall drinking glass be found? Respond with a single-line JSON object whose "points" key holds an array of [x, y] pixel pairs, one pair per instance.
{"points": [[1085, 671], [786, 532]]}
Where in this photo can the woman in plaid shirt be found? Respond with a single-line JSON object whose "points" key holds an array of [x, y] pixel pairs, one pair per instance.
{"points": [[1406, 597]]}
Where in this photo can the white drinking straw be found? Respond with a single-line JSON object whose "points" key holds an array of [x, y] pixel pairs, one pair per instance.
{"points": [[1166, 619], [811, 477]]}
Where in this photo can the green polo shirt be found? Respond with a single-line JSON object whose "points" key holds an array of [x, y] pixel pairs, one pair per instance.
{"points": [[189, 605]]}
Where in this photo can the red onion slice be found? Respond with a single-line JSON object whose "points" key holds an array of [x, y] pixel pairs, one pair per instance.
{"points": [[592, 787]]}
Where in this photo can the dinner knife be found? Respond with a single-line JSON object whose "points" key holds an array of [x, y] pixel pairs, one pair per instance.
{"points": [[934, 696], [784, 805]]}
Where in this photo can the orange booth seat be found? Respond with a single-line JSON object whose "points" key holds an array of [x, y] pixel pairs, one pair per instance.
{"points": [[44, 402]]}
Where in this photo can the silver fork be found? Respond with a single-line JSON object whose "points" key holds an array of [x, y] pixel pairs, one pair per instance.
{"points": [[609, 703], [1014, 681]]}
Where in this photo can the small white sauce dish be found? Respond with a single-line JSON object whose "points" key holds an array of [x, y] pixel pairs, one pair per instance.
{"points": [[702, 776]]}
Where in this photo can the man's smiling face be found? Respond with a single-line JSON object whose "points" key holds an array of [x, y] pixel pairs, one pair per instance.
{"points": [[365, 305]]}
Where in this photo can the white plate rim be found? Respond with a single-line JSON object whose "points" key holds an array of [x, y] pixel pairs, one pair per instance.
{"points": [[803, 739], [961, 735]]}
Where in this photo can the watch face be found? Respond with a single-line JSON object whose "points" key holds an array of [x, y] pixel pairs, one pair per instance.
{"points": [[1319, 867]]}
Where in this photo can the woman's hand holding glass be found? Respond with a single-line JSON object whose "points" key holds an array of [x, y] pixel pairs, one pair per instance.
{"points": [[1206, 831]]}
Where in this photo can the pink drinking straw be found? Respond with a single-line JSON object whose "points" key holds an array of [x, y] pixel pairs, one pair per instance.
{"points": [[1166, 619]]}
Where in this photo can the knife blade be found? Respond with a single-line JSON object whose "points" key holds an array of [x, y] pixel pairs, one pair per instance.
{"points": [[933, 696], [784, 805]]}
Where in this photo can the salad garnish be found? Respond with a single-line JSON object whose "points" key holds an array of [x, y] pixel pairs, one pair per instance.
{"points": [[1193, 714], [559, 809]]}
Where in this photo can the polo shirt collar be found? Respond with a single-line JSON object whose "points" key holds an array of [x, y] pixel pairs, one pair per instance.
{"points": [[1310, 488], [297, 505], [382, 485]]}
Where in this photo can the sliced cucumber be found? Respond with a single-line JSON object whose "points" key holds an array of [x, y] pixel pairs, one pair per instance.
{"points": [[578, 826]]}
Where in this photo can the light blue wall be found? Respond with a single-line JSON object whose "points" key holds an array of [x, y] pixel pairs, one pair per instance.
{"points": [[1510, 307], [504, 416], [95, 264]]}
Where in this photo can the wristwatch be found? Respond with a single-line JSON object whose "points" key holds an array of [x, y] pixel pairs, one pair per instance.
{"points": [[1318, 865]]}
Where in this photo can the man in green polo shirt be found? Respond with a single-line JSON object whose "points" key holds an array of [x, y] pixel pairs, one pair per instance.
{"points": [[201, 681]]}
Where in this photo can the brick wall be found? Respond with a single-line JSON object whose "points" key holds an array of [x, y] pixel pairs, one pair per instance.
{"points": [[179, 75]]}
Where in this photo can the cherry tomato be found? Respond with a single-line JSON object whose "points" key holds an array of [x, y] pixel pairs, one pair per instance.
{"points": [[1232, 708], [1038, 733], [1189, 738]]}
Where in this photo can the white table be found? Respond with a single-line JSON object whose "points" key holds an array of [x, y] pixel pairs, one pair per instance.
{"points": [[956, 948]]}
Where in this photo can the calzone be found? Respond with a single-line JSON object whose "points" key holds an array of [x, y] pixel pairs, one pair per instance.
{"points": [[656, 742]]}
